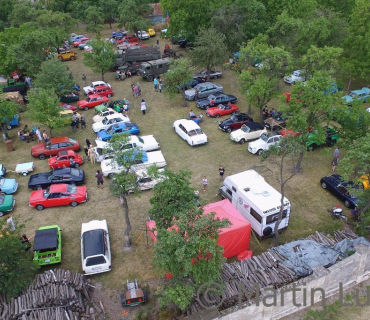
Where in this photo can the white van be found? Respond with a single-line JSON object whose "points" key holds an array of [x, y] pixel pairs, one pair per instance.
{"points": [[257, 201]]}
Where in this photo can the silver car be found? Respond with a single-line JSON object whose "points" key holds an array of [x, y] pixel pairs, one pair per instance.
{"points": [[203, 74], [205, 89]]}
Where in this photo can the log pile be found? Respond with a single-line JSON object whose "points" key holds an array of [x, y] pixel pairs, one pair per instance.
{"points": [[54, 295]]}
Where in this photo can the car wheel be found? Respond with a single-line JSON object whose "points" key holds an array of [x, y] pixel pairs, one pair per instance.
{"points": [[259, 152], [86, 108], [42, 156], [8, 126], [229, 130], [77, 165], [347, 203], [217, 115], [72, 58], [109, 95], [38, 188], [1, 213], [74, 204], [60, 57], [40, 207], [24, 174], [330, 143], [312, 147], [111, 175], [215, 77], [324, 185], [242, 141]]}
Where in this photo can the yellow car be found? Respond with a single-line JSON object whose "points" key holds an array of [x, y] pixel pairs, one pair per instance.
{"points": [[364, 179], [68, 113], [151, 32]]}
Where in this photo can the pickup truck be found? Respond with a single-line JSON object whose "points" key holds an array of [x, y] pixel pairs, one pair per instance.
{"points": [[109, 167]]}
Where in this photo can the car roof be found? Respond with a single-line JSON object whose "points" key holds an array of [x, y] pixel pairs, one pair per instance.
{"points": [[59, 139], [93, 241], [253, 125], [103, 86], [46, 239], [189, 124], [96, 83], [66, 152], [58, 187], [62, 170]]}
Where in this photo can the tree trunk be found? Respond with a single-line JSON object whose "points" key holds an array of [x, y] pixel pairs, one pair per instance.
{"points": [[51, 132], [299, 162], [261, 115], [102, 74], [128, 223], [110, 24], [249, 109]]}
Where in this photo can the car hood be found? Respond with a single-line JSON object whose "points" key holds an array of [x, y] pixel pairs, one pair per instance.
{"points": [[8, 201], [226, 122], [9, 184], [104, 135], [38, 178], [256, 144], [82, 102], [36, 196], [347, 98], [38, 148], [190, 92], [202, 102]]}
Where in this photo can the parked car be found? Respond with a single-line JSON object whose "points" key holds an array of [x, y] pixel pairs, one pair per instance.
{"points": [[63, 160], [277, 120], [143, 35], [92, 101], [205, 89], [218, 98], [68, 98], [296, 76], [151, 32], [7, 203], [203, 73], [341, 189], [109, 120], [360, 95], [235, 122], [66, 106], [94, 84], [265, 141], [82, 45], [315, 139], [104, 91], [43, 180], [102, 114], [249, 131], [144, 181], [190, 132], [364, 181], [119, 34], [66, 55], [47, 245], [222, 110], [78, 42], [8, 186], [285, 131], [118, 128], [95, 247], [130, 39], [54, 146], [58, 195]]}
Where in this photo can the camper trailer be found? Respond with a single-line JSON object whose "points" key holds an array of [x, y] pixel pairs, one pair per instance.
{"points": [[257, 201]]}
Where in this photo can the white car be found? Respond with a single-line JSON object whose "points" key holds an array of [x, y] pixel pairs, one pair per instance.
{"points": [[143, 35], [145, 182], [145, 143], [109, 120], [248, 131], [263, 143], [110, 167], [101, 114], [95, 247], [190, 132], [94, 84], [295, 77]]}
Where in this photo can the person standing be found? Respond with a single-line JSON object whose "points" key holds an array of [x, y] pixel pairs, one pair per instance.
{"points": [[38, 135], [160, 85], [83, 121], [74, 125], [84, 79], [143, 106], [91, 154], [155, 84], [205, 183], [221, 170], [336, 154], [138, 89], [45, 136], [99, 178], [334, 164], [86, 150], [196, 95], [88, 143]]}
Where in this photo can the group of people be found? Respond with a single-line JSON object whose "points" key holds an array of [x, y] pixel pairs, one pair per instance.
{"points": [[89, 151], [26, 134], [221, 171], [157, 84], [77, 120], [136, 89], [122, 75], [267, 114]]}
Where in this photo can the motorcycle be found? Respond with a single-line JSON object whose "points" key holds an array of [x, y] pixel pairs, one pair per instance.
{"points": [[337, 212]]}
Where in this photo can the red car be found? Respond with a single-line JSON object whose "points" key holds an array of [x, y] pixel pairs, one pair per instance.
{"points": [[104, 91], [130, 39], [222, 110], [66, 106], [54, 146], [92, 101], [81, 41], [63, 160], [58, 195]]}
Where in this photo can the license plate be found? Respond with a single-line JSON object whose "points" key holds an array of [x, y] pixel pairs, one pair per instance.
{"points": [[96, 269]]}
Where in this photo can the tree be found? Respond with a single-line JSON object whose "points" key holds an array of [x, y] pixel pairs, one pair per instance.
{"points": [[187, 239], [16, 266], [283, 157], [102, 57], [110, 8], [43, 108], [94, 19], [176, 78], [209, 50]]}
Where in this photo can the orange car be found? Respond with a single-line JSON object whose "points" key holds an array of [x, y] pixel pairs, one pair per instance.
{"points": [[54, 146], [64, 159]]}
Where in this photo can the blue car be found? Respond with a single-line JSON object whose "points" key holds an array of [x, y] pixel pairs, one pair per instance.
{"points": [[119, 34], [360, 95], [8, 186], [13, 122], [77, 38], [117, 128]]}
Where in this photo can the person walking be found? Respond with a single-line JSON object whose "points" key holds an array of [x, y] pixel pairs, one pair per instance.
{"points": [[136, 91], [86, 150], [91, 154], [205, 183], [143, 106], [155, 84], [74, 125], [138, 88], [334, 164], [88, 143], [38, 135], [84, 79], [221, 170], [83, 121], [336, 154], [99, 179]]}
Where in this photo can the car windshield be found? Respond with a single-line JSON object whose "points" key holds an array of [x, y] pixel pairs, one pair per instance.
{"points": [[264, 137], [46, 192], [141, 140], [110, 129], [245, 128], [88, 99], [105, 120], [234, 119], [72, 140], [71, 188], [195, 132]]}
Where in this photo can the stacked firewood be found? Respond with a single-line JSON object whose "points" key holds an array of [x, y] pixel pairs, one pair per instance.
{"points": [[53, 295]]}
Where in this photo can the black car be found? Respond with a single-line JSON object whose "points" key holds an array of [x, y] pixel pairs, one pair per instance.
{"points": [[219, 98], [341, 189], [64, 175], [235, 122]]}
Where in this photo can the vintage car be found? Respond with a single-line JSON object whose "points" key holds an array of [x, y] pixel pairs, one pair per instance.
{"points": [[222, 110], [54, 146], [56, 176], [341, 189], [143, 35], [364, 181], [8, 186], [279, 119], [360, 95], [95, 247], [218, 98], [316, 139], [285, 132], [134, 295], [94, 84], [190, 132], [101, 114], [265, 141], [203, 74], [130, 39], [295, 77], [58, 195], [78, 42], [66, 106], [205, 89], [82, 46], [119, 34], [151, 32], [235, 122], [66, 55], [104, 91], [47, 246], [2, 170], [249, 131], [63, 160], [118, 128], [145, 182], [92, 101], [109, 120], [7, 203], [75, 37]]}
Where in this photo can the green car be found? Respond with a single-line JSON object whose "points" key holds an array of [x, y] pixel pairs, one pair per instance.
{"points": [[100, 107], [328, 138], [7, 203], [47, 246]]}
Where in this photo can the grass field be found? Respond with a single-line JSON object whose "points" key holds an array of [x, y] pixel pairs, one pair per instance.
{"points": [[309, 201]]}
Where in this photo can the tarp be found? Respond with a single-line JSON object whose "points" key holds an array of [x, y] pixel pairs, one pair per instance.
{"points": [[234, 239]]}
